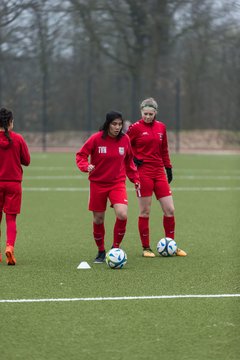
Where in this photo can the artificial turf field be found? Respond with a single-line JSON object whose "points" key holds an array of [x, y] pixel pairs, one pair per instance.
{"points": [[162, 308]]}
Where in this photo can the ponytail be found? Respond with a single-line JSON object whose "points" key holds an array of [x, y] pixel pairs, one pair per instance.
{"points": [[6, 117]]}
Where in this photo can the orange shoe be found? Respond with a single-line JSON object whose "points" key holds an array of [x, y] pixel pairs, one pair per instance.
{"points": [[181, 252], [147, 252], [10, 255]]}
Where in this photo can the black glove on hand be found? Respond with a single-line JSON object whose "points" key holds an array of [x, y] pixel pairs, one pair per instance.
{"points": [[169, 174], [137, 162]]}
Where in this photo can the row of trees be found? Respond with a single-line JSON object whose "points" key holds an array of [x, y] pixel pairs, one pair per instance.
{"points": [[65, 63]]}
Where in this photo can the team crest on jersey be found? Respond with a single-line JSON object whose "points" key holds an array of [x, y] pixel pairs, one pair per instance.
{"points": [[121, 150], [102, 149], [160, 135]]}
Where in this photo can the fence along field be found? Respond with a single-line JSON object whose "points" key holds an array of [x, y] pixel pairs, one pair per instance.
{"points": [[188, 141]]}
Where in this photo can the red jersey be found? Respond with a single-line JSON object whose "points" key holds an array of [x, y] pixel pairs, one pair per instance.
{"points": [[12, 156], [112, 157], [149, 143]]}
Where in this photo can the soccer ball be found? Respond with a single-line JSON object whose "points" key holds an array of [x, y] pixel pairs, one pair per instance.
{"points": [[167, 247], [116, 258]]}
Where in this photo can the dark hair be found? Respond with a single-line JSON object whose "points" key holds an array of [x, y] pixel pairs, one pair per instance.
{"points": [[111, 116], [6, 118]]}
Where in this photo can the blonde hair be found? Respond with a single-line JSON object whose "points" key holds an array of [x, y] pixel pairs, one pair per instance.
{"points": [[149, 102]]}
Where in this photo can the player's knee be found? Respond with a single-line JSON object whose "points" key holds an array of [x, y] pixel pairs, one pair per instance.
{"points": [[169, 211], [122, 216], [145, 212], [98, 220]]}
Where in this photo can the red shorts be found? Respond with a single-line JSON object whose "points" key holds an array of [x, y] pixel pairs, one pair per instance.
{"points": [[100, 193], [10, 197], [154, 181]]}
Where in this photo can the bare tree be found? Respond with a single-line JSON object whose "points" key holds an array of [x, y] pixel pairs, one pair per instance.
{"points": [[65, 62], [44, 29], [132, 35], [9, 12]]}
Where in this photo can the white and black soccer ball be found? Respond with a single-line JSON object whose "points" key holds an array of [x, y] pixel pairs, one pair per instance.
{"points": [[116, 258], [166, 247]]}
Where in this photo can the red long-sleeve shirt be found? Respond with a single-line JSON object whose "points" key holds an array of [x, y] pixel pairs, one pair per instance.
{"points": [[112, 157], [149, 143], [12, 156]]}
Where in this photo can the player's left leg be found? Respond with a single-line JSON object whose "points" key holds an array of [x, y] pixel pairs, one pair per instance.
{"points": [[12, 207], [167, 205], [1, 214], [11, 231], [119, 201], [120, 224]]}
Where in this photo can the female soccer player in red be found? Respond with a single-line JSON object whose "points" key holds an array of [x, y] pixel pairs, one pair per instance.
{"points": [[111, 159], [150, 148], [13, 153]]}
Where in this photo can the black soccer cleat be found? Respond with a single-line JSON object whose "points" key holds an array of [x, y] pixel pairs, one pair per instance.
{"points": [[100, 258]]}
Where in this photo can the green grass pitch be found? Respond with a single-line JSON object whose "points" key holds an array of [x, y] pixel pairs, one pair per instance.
{"points": [[55, 235]]}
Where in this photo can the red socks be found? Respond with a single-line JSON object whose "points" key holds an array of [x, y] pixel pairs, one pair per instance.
{"points": [[169, 226], [143, 227], [11, 229], [98, 234], [119, 232]]}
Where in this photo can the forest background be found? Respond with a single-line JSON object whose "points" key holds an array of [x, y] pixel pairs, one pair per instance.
{"points": [[65, 63]]}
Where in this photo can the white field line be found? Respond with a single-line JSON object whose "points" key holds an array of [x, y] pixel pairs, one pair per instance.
{"points": [[60, 189], [122, 298], [179, 177], [79, 189], [56, 177], [49, 168], [208, 177], [201, 171], [176, 170]]}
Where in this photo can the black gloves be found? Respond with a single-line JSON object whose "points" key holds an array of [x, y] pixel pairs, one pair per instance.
{"points": [[137, 162], [169, 174]]}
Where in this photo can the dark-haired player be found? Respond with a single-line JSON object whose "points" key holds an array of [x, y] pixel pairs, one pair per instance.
{"points": [[13, 154], [107, 157], [150, 147]]}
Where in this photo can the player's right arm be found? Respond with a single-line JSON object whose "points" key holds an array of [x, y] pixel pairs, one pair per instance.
{"points": [[83, 154]]}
